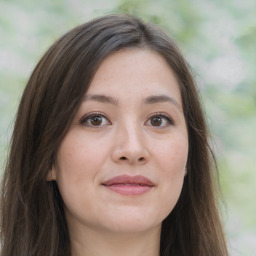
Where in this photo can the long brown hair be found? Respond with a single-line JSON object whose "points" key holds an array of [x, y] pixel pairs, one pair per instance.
{"points": [[32, 210]]}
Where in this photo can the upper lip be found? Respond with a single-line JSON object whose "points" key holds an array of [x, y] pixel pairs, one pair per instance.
{"points": [[126, 179]]}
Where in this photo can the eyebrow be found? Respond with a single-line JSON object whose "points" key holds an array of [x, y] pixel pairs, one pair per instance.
{"points": [[101, 98], [162, 98], [149, 100]]}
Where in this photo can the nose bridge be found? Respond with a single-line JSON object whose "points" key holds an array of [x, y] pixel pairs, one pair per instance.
{"points": [[131, 136], [130, 143]]}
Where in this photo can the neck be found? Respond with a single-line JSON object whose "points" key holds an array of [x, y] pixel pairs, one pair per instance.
{"points": [[92, 243]]}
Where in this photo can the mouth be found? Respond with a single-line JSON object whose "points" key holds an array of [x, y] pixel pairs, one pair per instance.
{"points": [[129, 185]]}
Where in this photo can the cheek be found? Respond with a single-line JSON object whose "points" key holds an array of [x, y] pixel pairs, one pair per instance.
{"points": [[76, 168], [172, 159], [78, 155], [172, 156]]}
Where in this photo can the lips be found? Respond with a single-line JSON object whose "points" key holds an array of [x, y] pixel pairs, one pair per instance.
{"points": [[129, 185]]}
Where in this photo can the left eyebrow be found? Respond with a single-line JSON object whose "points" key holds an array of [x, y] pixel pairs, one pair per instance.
{"points": [[162, 98], [101, 98]]}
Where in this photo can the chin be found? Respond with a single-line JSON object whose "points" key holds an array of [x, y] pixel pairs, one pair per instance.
{"points": [[133, 223]]}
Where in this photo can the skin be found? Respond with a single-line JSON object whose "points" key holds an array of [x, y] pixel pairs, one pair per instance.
{"points": [[127, 133]]}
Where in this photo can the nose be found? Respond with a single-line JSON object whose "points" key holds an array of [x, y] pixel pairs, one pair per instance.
{"points": [[130, 146]]}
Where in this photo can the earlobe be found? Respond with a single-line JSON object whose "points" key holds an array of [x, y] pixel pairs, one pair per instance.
{"points": [[51, 175]]}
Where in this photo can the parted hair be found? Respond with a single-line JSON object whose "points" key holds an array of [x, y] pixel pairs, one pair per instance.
{"points": [[32, 211]]}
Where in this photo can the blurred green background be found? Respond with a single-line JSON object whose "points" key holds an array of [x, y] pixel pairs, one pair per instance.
{"points": [[218, 38]]}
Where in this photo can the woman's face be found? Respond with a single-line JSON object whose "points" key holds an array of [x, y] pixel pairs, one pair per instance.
{"points": [[121, 165]]}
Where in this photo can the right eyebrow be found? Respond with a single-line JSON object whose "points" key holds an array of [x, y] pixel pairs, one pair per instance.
{"points": [[101, 98], [163, 98]]}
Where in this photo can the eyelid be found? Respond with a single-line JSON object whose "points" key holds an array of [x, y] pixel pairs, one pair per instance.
{"points": [[87, 116], [167, 117]]}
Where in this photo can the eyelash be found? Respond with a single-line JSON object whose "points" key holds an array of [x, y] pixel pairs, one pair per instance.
{"points": [[88, 117], [166, 117]]}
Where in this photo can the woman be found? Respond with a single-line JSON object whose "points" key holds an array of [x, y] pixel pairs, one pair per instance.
{"points": [[110, 152]]}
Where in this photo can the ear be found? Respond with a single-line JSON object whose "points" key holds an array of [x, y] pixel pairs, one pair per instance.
{"points": [[51, 176]]}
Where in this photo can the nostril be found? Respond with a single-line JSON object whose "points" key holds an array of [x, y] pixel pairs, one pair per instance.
{"points": [[141, 159], [123, 158]]}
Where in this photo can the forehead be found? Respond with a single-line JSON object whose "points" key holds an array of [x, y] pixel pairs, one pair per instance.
{"points": [[135, 71]]}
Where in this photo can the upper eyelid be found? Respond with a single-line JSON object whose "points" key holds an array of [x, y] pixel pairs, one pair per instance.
{"points": [[159, 114], [91, 114], [163, 114]]}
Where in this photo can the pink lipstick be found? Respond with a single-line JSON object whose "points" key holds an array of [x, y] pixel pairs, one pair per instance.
{"points": [[129, 185]]}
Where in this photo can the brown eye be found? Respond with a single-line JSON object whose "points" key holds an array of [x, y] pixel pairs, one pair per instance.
{"points": [[160, 120], [94, 120], [156, 121]]}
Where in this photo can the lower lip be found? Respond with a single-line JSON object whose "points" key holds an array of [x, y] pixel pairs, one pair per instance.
{"points": [[133, 190]]}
